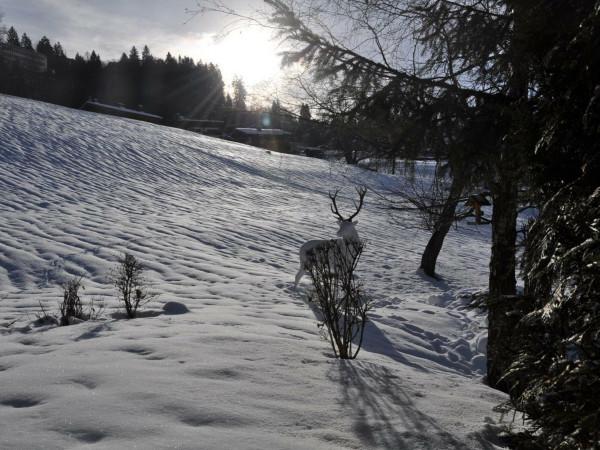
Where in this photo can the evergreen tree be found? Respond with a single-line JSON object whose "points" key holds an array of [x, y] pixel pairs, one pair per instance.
{"points": [[58, 50], [305, 112], [44, 47], [134, 57], [93, 74], [228, 102], [275, 114], [12, 37], [26, 42], [146, 55], [2, 29], [239, 94], [555, 377], [169, 60], [95, 59]]}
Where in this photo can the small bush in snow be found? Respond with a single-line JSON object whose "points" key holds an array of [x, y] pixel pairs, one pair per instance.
{"points": [[43, 318], [339, 295], [129, 281], [71, 306], [96, 309]]}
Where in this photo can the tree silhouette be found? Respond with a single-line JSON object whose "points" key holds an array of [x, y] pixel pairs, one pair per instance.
{"points": [[146, 55], [26, 42], [58, 50], [44, 47], [305, 112], [134, 57], [12, 37], [239, 94]]}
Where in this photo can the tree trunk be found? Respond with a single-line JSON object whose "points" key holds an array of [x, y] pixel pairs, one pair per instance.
{"points": [[441, 228], [502, 282]]}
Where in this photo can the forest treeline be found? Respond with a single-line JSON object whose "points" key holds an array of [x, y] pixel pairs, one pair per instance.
{"points": [[139, 80]]}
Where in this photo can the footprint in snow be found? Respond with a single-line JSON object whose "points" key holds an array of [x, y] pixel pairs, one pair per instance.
{"points": [[24, 401]]}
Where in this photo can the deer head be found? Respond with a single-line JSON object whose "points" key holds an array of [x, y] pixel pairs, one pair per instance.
{"points": [[347, 229]]}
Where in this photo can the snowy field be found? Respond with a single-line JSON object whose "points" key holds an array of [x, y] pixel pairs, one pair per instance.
{"points": [[218, 226]]}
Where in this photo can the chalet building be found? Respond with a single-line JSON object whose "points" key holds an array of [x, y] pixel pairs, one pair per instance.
{"points": [[202, 126], [28, 60], [269, 138], [121, 111]]}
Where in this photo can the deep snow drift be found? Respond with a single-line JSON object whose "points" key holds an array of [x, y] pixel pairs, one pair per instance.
{"points": [[218, 226]]}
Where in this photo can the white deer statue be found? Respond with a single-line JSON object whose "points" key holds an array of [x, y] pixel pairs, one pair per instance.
{"points": [[347, 235]]}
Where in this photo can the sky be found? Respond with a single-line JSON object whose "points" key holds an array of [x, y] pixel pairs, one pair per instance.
{"points": [[111, 27]]}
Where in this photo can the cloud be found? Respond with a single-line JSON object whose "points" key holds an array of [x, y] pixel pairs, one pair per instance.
{"points": [[107, 26]]}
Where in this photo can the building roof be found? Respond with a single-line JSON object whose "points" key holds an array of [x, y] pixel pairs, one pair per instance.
{"points": [[263, 131], [207, 121], [121, 109]]}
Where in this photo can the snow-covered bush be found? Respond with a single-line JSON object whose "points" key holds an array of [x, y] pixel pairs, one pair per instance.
{"points": [[71, 306], [129, 281], [339, 295]]}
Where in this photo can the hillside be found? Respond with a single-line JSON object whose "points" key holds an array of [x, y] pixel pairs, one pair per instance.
{"points": [[218, 226]]}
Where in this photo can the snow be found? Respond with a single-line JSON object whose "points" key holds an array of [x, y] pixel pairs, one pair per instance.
{"points": [[228, 355]]}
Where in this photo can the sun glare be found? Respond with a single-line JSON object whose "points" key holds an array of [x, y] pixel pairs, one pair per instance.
{"points": [[247, 53]]}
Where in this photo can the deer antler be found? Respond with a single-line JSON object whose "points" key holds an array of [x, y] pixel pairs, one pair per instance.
{"points": [[361, 191], [333, 206]]}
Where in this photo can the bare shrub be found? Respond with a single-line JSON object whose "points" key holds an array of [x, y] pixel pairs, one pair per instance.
{"points": [[129, 281], [71, 306], [44, 318], [96, 309], [339, 295]]}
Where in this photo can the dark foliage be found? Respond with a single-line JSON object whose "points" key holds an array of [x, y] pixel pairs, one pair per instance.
{"points": [[12, 38], [554, 378], [164, 87]]}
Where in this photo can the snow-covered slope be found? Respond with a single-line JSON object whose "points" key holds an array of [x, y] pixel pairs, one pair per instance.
{"points": [[218, 226]]}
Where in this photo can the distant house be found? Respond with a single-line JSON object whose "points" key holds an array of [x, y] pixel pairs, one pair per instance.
{"points": [[120, 111], [269, 138], [29, 60], [202, 126], [314, 152]]}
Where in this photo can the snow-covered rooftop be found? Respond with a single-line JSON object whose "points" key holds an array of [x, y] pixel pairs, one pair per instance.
{"points": [[120, 109], [263, 131]]}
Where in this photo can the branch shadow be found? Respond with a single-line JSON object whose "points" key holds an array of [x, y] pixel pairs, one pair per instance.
{"points": [[439, 282], [384, 414], [375, 341], [437, 349], [94, 332]]}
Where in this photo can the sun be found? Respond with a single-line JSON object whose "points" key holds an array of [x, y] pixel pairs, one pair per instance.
{"points": [[249, 53]]}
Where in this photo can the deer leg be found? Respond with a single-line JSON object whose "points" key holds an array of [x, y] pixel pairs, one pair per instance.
{"points": [[299, 275]]}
